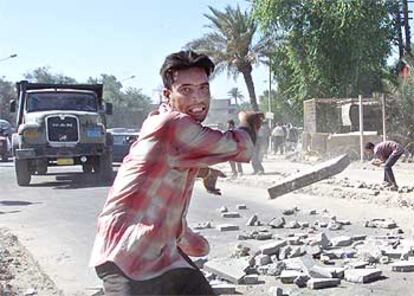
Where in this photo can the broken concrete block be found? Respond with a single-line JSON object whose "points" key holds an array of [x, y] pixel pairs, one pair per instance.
{"points": [[288, 212], [358, 237], [252, 220], [318, 271], [230, 215], [301, 280], [199, 261], [230, 269], [275, 269], [317, 173], [403, 266], [275, 291], [304, 224], [343, 222], [362, 275], [224, 288], [314, 251], [241, 207], [293, 224], [334, 226], [323, 224], [294, 241], [244, 236], [357, 264], [285, 252], [223, 209], [262, 259], [288, 276], [277, 222], [341, 241], [297, 252], [322, 283], [340, 253], [201, 226], [263, 236], [273, 247], [251, 279], [324, 241], [227, 227]]}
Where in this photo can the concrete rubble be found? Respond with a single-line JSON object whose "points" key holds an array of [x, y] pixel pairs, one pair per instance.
{"points": [[313, 258]]}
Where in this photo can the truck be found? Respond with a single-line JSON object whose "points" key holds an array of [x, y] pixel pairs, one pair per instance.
{"points": [[60, 125]]}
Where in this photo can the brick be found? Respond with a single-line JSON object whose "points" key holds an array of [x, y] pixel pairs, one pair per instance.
{"points": [[251, 279], [230, 269], [223, 209], [288, 276], [275, 269], [288, 212], [241, 207], [403, 266], [252, 220], [362, 275], [318, 271], [312, 212], [273, 247], [224, 288], [321, 283], [262, 259], [358, 237], [293, 224], [275, 291], [301, 280], [357, 264], [230, 215], [341, 241], [227, 227], [277, 222], [302, 179]]}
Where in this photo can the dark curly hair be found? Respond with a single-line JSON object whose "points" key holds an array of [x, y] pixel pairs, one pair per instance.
{"points": [[183, 60]]}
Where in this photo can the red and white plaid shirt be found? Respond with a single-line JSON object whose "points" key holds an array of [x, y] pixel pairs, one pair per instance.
{"points": [[144, 218], [384, 149]]}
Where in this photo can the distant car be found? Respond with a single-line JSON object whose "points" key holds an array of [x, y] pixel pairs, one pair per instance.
{"points": [[122, 141]]}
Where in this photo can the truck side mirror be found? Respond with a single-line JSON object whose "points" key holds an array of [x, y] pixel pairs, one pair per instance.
{"points": [[12, 106], [108, 108]]}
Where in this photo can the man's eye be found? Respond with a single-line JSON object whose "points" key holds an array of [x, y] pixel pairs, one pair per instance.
{"points": [[186, 90]]}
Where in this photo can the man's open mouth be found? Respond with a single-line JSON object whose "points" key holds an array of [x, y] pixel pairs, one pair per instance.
{"points": [[196, 109]]}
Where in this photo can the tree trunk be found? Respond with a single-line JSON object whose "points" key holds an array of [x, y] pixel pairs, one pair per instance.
{"points": [[247, 75]]}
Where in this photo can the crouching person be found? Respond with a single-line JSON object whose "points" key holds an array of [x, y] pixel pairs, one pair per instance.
{"points": [[143, 243]]}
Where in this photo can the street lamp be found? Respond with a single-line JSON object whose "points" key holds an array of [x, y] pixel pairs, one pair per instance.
{"points": [[9, 57], [128, 78]]}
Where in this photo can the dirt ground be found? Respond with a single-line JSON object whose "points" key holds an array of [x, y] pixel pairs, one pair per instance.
{"points": [[19, 272]]}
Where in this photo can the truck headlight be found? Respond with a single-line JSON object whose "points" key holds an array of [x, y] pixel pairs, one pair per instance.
{"points": [[31, 134]]}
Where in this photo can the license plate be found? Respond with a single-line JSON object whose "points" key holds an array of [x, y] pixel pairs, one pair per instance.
{"points": [[93, 133], [65, 161]]}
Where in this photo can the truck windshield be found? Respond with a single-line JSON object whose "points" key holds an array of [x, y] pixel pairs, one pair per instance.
{"points": [[61, 101]]}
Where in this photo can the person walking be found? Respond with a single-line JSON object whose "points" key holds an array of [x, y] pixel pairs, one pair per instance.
{"points": [[236, 167]]}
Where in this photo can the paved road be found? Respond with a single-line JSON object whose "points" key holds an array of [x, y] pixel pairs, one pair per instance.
{"points": [[56, 216]]}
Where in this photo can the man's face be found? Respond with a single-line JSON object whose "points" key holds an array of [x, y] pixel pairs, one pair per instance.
{"points": [[190, 93], [369, 153]]}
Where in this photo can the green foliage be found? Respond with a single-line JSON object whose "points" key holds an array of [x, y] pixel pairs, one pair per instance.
{"points": [[43, 75], [284, 110], [236, 95], [334, 48], [231, 44], [7, 93]]}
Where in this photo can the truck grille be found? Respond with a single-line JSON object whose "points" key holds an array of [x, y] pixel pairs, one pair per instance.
{"points": [[62, 129]]}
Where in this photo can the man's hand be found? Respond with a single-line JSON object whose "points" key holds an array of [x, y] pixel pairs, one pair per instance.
{"points": [[209, 177], [377, 162], [251, 119]]}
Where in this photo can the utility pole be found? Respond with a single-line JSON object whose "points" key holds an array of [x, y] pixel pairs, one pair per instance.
{"points": [[406, 26]]}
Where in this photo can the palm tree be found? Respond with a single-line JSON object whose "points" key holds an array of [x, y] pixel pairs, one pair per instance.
{"points": [[235, 94], [230, 45]]}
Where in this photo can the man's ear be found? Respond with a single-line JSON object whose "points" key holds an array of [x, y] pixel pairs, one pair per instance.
{"points": [[166, 93]]}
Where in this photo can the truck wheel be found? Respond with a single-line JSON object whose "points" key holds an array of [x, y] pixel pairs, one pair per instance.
{"points": [[87, 168], [4, 157], [104, 167], [23, 174], [41, 170]]}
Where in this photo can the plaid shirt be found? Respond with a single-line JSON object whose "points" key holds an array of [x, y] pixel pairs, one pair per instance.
{"points": [[384, 149], [143, 220]]}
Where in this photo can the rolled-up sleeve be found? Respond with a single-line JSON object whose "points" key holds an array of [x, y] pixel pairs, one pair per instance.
{"points": [[196, 146], [193, 244]]}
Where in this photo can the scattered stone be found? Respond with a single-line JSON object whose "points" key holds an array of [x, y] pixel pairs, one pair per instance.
{"points": [[384, 260], [293, 224], [273, 247], [230, 215], [30, 292], [321, 283], [318, 271], [301, 280], [341, 241], [357, 264], [277, 222], [334, 226], [275, 269], [370, 252], [297, 252], [285, 252], [294, 241], [323, 224], [381, 223], [241, 207], [304, 224], [340, 253], [230, 269], [201, 226], [288, 212], [276, 291], [263, 236], [227, 227], [324, 241], [223, 209], [288, 276], [251, 279], [343, 222], [223, 288], [403, 266], [244, 236], [362, 275], [314, 251], [199, 261], [252, 220], [312, 212], [262, 259], [241, 251], [359, 237]]}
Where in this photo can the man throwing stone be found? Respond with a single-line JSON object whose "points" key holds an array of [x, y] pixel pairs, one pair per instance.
{"points": [[143, 241]]}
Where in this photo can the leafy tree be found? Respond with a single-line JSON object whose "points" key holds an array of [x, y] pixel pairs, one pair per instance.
{"points": [[43, 75], [284, 110], [7, 93], [332, 48], [231, 44], [236, 95]]}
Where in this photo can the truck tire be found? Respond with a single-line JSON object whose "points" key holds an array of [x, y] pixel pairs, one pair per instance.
{"points": [[87, 168], [4, 157], [23, 174], [104, 167]]}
